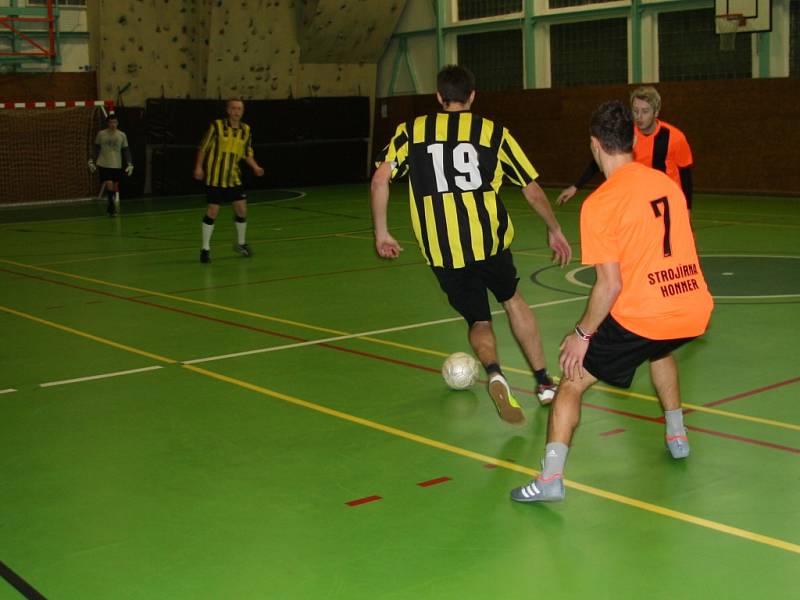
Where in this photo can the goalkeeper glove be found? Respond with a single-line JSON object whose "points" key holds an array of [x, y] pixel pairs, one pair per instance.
{"points": [[92, 167], [129, 170]]}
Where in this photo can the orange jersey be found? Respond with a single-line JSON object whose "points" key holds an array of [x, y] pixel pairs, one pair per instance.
{"points": [[665, 150], [638, 218]]}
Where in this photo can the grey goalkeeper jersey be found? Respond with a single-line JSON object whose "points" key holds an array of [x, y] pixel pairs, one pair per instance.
{"points": [[111, 144]]}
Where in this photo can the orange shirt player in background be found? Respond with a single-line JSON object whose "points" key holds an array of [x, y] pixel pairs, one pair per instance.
{"points": [[649, 297], [657, 144]]}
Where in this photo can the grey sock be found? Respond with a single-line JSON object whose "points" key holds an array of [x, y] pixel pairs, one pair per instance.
{"points": [[555, 455], [674, 419]]}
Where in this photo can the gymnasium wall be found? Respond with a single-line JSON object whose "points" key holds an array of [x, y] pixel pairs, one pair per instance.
{"points": [[256, 49], [741, 132], [31, 87]]}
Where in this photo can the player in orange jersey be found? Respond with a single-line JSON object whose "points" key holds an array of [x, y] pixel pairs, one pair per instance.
{"points": [[658, 144], [649, 297]]}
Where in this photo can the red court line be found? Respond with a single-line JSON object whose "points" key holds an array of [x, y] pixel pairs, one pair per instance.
{"points": [[431, 482], [728, 436], [383, 358], [363, 500], [753, 392], [293, 277], [613, 431]]}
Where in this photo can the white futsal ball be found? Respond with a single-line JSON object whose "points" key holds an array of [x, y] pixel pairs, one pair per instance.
{"points": [[460, 371]]}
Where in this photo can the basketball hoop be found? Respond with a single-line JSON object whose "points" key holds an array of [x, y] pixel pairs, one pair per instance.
{"points": [[727, 27]]}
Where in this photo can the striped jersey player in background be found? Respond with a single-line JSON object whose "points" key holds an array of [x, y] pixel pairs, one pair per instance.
{"points": [[226, 142], [456, 162]]}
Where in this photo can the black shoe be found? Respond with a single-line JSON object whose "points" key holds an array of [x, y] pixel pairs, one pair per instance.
{"points": [[243, 249], [205, 256]]}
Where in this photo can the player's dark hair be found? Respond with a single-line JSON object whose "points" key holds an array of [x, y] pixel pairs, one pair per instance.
{"points": [[612, 125], [112, 117], [455, 84]]}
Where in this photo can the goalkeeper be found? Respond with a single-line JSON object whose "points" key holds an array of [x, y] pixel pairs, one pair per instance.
{"points": [[112, 156]]}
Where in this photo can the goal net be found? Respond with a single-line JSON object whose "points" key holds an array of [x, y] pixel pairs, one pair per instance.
{"points": [[44, 153]]}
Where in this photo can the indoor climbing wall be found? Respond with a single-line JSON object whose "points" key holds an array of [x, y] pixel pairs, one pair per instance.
{"points": [[152, 48], [250, 48]]}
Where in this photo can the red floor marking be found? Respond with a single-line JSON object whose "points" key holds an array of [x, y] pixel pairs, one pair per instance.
{"points": [[698, 429], [363, 500], [433, 481], [738, 438], [753, 392], [612, 432], [402, 362]]}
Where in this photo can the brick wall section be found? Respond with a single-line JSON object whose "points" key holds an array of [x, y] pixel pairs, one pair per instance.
{"points": [[743, 133], [30, 87]]}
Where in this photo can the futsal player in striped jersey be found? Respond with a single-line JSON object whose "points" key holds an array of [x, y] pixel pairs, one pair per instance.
{"points": [[226, 142], [457, 162], [657, 144]]}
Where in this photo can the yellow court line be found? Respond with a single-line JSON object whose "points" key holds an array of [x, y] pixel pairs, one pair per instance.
{"points": [[412, 348], [632, 502], [176, 298], [89, 336]]}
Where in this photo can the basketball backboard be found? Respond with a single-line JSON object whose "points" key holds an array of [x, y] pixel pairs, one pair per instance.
{"points": [[757, 14]]}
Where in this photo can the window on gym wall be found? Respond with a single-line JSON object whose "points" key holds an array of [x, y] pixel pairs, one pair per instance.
{"points": [[689, 48], [567, 3], [794, 39], [495, 57], [60, 3], [590, 52], [477, 9]]}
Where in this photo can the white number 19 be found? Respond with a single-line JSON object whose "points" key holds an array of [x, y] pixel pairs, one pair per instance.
{"points": [[465, 161]]}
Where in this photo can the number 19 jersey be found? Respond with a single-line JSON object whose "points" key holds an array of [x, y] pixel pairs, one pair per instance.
{"points": [[456, 163], [638, 218]]}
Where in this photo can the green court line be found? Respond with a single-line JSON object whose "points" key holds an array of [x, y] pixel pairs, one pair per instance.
{"points": [[614, 391], [483, 458]]}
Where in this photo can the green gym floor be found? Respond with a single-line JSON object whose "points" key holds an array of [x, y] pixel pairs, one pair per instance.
{"points": [[277, 427]]}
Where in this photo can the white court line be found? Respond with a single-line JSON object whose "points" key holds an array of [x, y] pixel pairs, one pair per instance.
{"points": [[8, 391], [358, 335], [102, 376]]}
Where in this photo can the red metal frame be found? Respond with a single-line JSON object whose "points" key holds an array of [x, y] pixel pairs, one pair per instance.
{"points": [[8, 23]]}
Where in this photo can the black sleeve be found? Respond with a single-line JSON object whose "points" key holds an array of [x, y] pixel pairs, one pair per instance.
{"points": [[687, 184], [591, 170], [126, 156]]}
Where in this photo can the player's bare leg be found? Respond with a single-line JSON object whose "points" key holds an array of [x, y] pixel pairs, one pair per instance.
{"points": [[526, 331], [484, 344], [664, 375], [565, 415]]}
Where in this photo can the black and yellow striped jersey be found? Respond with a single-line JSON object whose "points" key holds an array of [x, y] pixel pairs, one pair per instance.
{"points": [[456, 163], [224, 146]]}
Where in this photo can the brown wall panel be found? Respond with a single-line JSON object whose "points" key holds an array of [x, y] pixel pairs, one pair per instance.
{"points": [[30, 87], [744, 134]]}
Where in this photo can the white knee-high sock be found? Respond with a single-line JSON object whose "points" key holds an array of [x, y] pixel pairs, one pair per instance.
{"points": [[241, 230], [208, 229]]}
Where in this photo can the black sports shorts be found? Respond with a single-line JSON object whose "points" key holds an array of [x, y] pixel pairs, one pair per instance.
{"points": [[615, 353], [466, 287], [107, 174], [221, 195]]}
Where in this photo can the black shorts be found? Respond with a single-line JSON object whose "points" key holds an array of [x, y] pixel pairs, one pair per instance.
{"points": [[107, 174], [615, 353], [221, 195], [466, 287]]}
